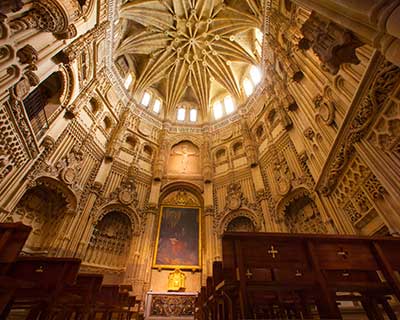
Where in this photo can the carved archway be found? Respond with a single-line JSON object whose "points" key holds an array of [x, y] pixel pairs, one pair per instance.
{"points": [[110, 241], [299, 212], [48, 207], [134, 219], [240, 215], [181, 186]]}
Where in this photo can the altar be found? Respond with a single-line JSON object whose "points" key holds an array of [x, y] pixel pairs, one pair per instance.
{"points": [[170, 305]]}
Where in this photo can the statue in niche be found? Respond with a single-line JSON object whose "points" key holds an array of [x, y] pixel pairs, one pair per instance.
{"points": [[184, 159], [176, 280]]}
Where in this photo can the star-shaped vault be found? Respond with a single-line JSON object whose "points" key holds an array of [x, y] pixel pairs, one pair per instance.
{"points": [[182, 47]]}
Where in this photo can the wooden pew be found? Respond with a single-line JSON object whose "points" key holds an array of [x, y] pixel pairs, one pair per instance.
{"points": [[114, 300], [45, 278], [12, 238], [291, 272], [78, 300]]}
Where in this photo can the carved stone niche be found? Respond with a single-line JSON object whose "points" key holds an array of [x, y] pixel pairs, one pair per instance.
{"points": [[333, 44]]}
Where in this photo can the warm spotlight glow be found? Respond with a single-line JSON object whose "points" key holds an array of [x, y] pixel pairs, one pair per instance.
{"points": [[229, 105], [146, 99], [255, 75], [181, 114], [157, 106], [248, 87], [217, 109]]}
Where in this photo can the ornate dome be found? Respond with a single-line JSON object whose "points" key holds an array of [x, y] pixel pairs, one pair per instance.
{"points": [[190, 54]]}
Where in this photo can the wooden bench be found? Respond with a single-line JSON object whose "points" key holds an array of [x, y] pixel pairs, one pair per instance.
{"points": [[46, 278], [12, 238], [265, 273], [79, 299]]}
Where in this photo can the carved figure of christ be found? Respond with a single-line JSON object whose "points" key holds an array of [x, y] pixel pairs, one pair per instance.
{"points": [[185, 154]]}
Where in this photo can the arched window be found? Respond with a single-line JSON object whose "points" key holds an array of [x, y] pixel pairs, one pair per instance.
{"points": [[193, 115], [248, 87], [128, 81], [217, 110], [229, 105], [157, 106], [146, 99], [181, 114], [255, 75]]}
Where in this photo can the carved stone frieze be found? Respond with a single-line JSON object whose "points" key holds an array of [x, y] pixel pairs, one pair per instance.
{"points": [[365, 113], [325, 109]]}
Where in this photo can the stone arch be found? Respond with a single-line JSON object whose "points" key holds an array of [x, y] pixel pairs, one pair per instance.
{"points": [[240, 213], [130, 142], [48, 206], [67, 78], [298, 211], [111, 238], [237, 147], [134, 218], [148, 150], [184, 186], [220, 155]]}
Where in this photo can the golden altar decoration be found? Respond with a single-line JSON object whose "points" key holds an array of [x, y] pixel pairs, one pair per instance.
{"points": [[176, 280]]}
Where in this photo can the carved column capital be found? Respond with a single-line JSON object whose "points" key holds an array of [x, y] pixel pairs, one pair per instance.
{"points": [[52, 16]]}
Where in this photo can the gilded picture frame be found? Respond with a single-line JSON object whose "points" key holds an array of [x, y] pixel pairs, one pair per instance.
{"points": [[178, 243]]}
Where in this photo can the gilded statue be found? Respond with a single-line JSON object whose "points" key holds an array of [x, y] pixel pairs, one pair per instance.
{"points": [[176, 280]]}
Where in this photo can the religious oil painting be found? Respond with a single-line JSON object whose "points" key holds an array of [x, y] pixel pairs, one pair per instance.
{"points": [[178, 242]]}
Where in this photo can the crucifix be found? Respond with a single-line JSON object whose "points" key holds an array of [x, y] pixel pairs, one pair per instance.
{"points": [[342, 253], [273, 252]]}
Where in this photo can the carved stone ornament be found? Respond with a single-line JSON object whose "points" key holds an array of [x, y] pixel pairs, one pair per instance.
{"points": [[27, 55], [126, 192], [234, 197], [283, 176], [326, 109], [181, 198], [49, 16], [333, 44], [375, 99]]}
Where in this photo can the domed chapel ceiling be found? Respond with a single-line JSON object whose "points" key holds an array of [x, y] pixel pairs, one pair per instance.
{"points": [[190, 51]]}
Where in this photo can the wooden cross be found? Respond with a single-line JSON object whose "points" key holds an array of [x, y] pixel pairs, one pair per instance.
{"points": [[342, 253], [273, 251], [248, 273]]}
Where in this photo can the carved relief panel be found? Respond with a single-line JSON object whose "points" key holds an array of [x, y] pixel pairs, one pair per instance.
{"points": [[184, 159]]}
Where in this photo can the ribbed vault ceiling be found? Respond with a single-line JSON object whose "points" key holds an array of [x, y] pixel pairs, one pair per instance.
{"points": [[189, 50]]}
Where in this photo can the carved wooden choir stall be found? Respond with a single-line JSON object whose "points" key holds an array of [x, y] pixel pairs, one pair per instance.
{"points": [[285, 276], [52, 288]]}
